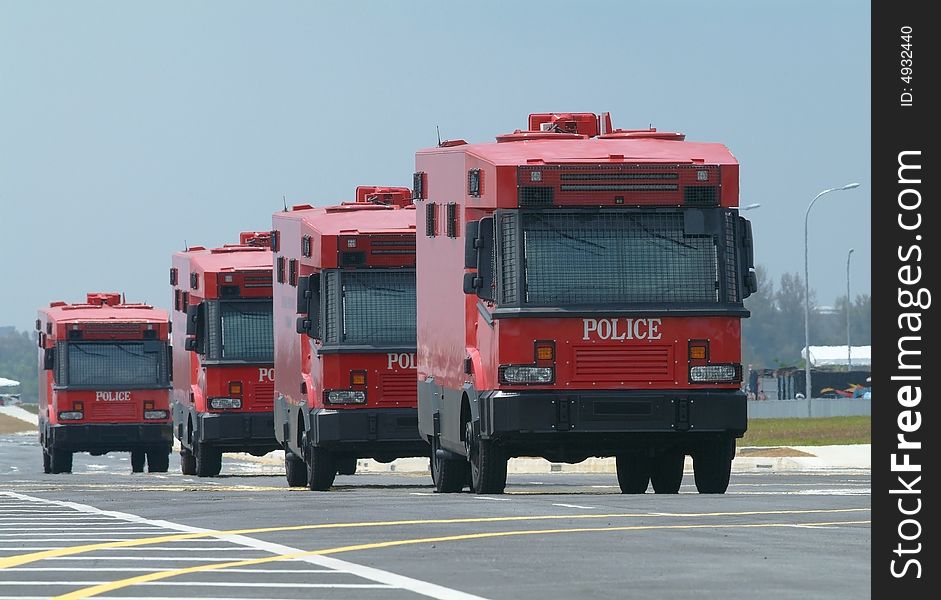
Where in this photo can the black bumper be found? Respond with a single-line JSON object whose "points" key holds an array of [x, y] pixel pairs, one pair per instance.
{"points": [[380, 433], [236, 431], [109, 437], [609, 421]]}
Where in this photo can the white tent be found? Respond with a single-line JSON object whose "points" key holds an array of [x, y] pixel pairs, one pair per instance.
{"points": [[4, 382], [835, 356]]}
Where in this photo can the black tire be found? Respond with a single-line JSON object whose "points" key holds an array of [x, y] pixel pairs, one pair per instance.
{"points": [[208, 460], [321, 469], [666, 472], [294, 469], [60, 461], [633, 473], [449, 475], [712, 466], [158, 460], [487, 462], [138, 458], [46, 459], [346, 465], [187, 461]]}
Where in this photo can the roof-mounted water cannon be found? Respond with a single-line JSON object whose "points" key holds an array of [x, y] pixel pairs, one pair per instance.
{"points": [[588, 124], [255, 238], [385, 196], [103, 298]]}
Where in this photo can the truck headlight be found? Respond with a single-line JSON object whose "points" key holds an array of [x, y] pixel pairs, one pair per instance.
{"points": [[220, 403], [517, 374], [155, 414], [71, 415], [715, 374], [346, 397]]}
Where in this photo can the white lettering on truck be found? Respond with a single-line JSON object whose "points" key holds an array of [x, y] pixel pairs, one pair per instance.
{"points": [[403, 360], [265, 374], [620, 330], [112, 396]]}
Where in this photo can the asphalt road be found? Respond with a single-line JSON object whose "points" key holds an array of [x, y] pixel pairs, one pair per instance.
{"points": [[387, 536]]}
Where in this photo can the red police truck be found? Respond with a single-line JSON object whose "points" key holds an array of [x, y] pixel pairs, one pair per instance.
{"points": [[104, 382], [344, 304], [580, 294], [223, 382]]}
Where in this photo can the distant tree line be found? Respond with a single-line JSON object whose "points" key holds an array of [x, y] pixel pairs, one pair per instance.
{"points": [[774, 335]]}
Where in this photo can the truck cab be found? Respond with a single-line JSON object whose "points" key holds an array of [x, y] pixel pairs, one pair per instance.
{"points": [[104, 382], [223, 381], [580, 294], [344, 308]]}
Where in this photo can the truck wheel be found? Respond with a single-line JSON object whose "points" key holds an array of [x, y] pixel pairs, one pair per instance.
{"points": [[712, 466], [46, 468], [295, 469], [448, 475], [321, 469], [187, 461], [666, 472], [158, 460], [346, 465], [208, 460], [137, 461], [487, 462], [60, 461], [633, 472]]}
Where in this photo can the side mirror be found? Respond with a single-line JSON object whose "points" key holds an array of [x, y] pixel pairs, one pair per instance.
{"points": [[478, 254], [303, 295], [49, 359], [747, 258], [309, 322], [191, 314]]}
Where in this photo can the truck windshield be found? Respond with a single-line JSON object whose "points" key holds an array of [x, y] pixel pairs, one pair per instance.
{"points": [[241, 330], [370, 307], [129, 364], [609, 258]]}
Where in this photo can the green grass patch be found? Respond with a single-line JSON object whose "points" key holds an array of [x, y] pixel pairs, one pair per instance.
{"points": [[10, 424], [808, 432], [33, 408]]}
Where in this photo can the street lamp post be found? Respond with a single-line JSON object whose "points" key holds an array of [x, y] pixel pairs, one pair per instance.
{"points": [[848, 186], [849, 349]]}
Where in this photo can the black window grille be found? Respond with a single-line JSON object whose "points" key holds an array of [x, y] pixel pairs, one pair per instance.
{"points": [[452, 219], [370, 307], [275, 240], [241, 330], [130, 364], [306, 246], [292, 272], [615, 258], [177, 299], [280, 269], [194, 281], [174, 275], [431, 225], [509, 290], [730, 261]]}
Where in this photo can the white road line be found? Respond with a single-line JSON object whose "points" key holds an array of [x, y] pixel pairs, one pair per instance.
{"points": [[417, 586], [249, 584], [155, 569], [420, 494], [113, 529], [491, 498], [146, 598], [575, 506], [82, 533], [149, 559], [142, 549]]}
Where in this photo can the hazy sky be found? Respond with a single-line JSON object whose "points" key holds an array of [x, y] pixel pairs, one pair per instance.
{"points": [[127, 128]]}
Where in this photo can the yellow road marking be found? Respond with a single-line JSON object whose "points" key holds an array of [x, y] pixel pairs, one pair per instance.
{"points": [[21, 559], [123, 583]]}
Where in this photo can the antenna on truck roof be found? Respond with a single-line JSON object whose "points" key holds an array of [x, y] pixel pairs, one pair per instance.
{"points": [[438, 129], [284, 200]]}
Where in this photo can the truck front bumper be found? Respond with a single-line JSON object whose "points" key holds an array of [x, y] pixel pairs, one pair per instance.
{"points": [[381, 433], [235, 431], [109, 437], [602, 423]]}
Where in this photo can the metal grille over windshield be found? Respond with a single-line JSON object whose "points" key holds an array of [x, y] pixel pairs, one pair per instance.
{"points": [[378, 307], [247, 331], [616, 258], [113, 364]]}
